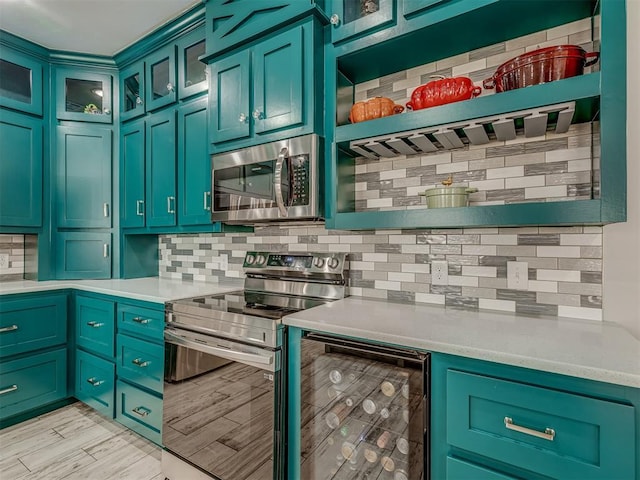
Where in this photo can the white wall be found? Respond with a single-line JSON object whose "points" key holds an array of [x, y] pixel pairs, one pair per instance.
{"points": [[621, 242]]}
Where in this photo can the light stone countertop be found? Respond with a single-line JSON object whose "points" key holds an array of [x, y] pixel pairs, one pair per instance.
{"points": [[601, 351], [149, 289]]}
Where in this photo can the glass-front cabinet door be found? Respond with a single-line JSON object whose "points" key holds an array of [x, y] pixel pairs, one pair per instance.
{"points": [[192, 73], [355, 17], [132, 91], [83, 96], [160, 81], [20, 82]]}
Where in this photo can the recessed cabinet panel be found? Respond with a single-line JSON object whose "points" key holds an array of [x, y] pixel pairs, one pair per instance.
{"points": [[161, 78], [192, 73], [95, 382], [132, 172], [353, 18], [82, 255], [83, 96], [20, 82], [132, 92]]}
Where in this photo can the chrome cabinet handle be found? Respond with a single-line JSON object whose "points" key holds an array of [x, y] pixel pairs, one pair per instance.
{"points": [[257, 114], [105, 250], [95, 324], [106, 111], [170, 87], [140, 207], [141, 320], [105, 209], [334, 19], [10, 389], [141, 411], [206, 201], [242, 118], [12, 328], [138, 100], [277, 181], [94, 382], [170, 204], [139, 363], [548, 434]]}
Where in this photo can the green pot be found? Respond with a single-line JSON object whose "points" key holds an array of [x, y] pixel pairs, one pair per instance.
{"points": [[446, 197]]}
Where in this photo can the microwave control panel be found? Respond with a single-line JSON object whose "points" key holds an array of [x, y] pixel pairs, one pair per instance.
{"points": [[300, 180]]}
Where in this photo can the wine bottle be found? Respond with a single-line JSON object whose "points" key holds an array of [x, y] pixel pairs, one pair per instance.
{"points": [[387, 388], [388, 464], [370, 453], [402, 445], [383, 439], [400, 474], [336, 415]]}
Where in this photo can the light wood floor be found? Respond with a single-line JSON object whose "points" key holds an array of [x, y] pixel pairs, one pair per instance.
{"points": [[76, 443]]}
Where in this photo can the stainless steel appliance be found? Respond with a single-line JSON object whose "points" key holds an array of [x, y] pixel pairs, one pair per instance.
{"points": [[225, 393], [277, 181], [366, 411]]}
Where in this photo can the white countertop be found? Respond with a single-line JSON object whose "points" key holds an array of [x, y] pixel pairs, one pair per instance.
{"points": [[601, 351], [150, 289]]}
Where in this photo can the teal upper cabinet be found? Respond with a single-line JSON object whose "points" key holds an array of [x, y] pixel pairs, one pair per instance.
{"points": [[132, 174], [161, 169], [132, 91], [83, 255], [351, 18], [160, 78], [83, 95], [84, 177], [192, 73], [194, 165], [21, 150], [230, 23], [20, 82]]}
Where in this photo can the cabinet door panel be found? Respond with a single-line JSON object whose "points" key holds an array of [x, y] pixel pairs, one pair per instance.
{"points": [[82, 255], [20, 82], [84, 177], [140, 362], [354, 18], [160, 78], [278, 81], [461, 470], [192, 73], [83, 96], [20, 170], [139, 410], [95, 382], [161, 169], [194, 165], [95, 325], [132, 92], [229, 98], [132, 175]]}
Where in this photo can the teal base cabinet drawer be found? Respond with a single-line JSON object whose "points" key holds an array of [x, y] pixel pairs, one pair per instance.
{"points": [[544, 431], [32, 382], [32, 323], [140, 362], [95, 381], [460, 470], [140, 411], [95, 325], [140, 321]]}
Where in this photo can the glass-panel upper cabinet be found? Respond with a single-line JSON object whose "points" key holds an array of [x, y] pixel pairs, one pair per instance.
{"points": [[161, 78], [350, 18], [83, 96], [192, 73], [20, 82], [132, 91]]}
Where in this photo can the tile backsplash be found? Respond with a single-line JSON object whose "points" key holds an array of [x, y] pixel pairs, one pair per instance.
{"points": [[564, 264], [13, 246]]}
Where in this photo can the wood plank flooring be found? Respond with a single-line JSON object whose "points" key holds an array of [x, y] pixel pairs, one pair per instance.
{"points": [[76, 443]]}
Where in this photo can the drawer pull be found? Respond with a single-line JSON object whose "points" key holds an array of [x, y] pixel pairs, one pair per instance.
{"points": [[141, 411], [12, 328], [548, 434], [95, 324], [94, 382], [139, 362], [141, 320], [10, 389]]}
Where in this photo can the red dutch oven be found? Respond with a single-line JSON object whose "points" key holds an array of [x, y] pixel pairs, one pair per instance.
{"points": [[443, 91], [541, 66]]}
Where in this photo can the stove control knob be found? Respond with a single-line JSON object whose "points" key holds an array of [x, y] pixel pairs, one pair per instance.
{"points": [[250, 260], [333, 263], [260, 260], [318, 262]]}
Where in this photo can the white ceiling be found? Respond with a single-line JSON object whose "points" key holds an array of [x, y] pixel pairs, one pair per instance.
{"points": [[88, 26]]}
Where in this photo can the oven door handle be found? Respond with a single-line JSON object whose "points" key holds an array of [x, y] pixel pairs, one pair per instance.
{"points": [[277, 181], [261, 361]]}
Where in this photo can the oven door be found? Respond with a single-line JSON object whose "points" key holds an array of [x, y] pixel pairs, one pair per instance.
{"points": [[223, 406]]}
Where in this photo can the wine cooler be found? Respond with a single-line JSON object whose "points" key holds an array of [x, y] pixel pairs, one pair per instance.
{"points": [[364, 411]]}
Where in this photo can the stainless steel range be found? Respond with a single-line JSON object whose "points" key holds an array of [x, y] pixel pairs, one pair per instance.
{"points": [[225, 393]]}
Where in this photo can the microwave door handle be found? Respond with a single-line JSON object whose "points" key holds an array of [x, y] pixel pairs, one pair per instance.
{"points": [[277, 181]]}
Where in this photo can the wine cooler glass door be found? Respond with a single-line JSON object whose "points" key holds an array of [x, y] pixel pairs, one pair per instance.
{"points": [[365, 411]]}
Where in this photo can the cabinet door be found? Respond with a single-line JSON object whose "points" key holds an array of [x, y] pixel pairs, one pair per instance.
{"points": [[84, 177], [460, 470], [351, 18], [139, 410], [140, 362], [132, 175], [83, 255], [192, 73], [83, 96], [229, 98], [161, 169], [277, 82], [194, 165], [95, 325], [20, 82], [20, 170], [132, 91], [160, 78], [95, 382]]}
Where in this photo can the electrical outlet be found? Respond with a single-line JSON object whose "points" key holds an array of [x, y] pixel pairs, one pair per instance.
{"points": [[439, 272], [517, 275], [4, 260]]}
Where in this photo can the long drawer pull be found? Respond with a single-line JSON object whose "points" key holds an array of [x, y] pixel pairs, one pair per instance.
{"points": [[95, 324], [10, 389], [94, 382], [11, 328], [141, 320], [548, 434], [138, 362], [141, 411]]}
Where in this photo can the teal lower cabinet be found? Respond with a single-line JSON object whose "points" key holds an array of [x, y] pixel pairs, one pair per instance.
{"points": [[140, 362], [95, 382], [139, 410], [460, 470]]}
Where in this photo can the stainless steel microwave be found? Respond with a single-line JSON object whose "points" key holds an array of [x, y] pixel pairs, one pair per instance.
{"points": [[277, 181]]}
